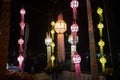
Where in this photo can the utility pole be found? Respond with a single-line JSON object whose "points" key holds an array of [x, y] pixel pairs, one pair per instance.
{"points": [[4, 36], [93, 61]]}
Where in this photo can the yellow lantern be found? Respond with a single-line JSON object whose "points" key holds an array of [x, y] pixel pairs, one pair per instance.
{"points": [[52, 45], [99, 10], [103, 61], [101, 43], [100, 27], [52, 59]]}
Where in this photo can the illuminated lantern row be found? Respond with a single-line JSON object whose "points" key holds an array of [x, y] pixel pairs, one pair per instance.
{"points": [[101, 43], [20, 40]]}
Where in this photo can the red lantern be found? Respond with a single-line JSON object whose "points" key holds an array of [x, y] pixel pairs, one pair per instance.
{"points": [[20, 42]]}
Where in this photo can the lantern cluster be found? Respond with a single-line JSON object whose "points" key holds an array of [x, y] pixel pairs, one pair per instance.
{"points": [[21, 40], [101, 43]]}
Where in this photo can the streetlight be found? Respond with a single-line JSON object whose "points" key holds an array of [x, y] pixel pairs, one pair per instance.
{"points": [[60, 28]]}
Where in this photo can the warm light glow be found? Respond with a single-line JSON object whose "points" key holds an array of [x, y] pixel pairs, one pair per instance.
{"points": [[53, 23], [60, 25], [74, 4], [52, 59], [52, 33], [103, 61], [101, 43], [52, 45], [48, 39], [99, 10], [100, 25]]}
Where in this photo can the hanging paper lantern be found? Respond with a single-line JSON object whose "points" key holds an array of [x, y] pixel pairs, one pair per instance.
{"points": [[20, 60], [48, 39], [52, 59], [73, 39], [101, 43], [22, 25], [74, 4], [20, 42], [103, 60], [60, 25], [74, 28], [22, 12], [77, 60]]}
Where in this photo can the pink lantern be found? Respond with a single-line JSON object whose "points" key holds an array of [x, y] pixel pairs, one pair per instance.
{"points": [[20, 60], [77, 60], [74, 4], [74, 28], [20, 42], [22, 12], [22, 25]]}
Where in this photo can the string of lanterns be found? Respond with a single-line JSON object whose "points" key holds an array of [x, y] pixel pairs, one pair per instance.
{"points": [[101, 43], [73, 40], [20, 40]]}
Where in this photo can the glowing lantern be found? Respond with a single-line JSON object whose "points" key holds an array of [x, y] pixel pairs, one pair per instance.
{"points": [[60, 25], [53, 23], [52, 45], [100, 27], [22, 12], [74, 4], [77, 59], [48, 41], [20, 60], [100, 11], [52, 32], [52, 59], [60, 28], [101, 43], [103, 61], [22, 25], [74, 28], [20, 42]]}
